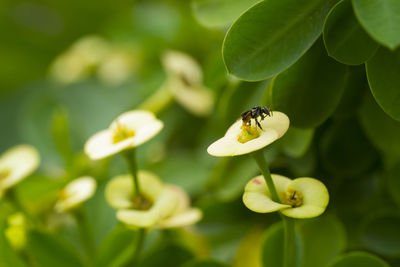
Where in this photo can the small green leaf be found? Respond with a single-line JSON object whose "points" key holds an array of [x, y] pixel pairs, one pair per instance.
{"points": [[323, 239], [381, 234], [48, 250], [383, 77], [382, 130], [309, 91], [358, 258], [272, 35], [272, 248], [345, 40], [117, 248], [219, 13], [380, 18]]}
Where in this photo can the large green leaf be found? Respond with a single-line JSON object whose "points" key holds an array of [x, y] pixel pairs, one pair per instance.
{"points": [[393, 182], [381, 19], [323, 239], [272, 248], [48, 250], [382, 130], [308, 91], [219, 13], [383, 77], [381, 234], [354, 259], [345, 40], [167, 256], [272, 35]]}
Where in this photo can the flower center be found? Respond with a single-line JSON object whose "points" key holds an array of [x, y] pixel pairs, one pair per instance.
{"points": [[4, 173], [63, 195], [248, 133], [121, 132], [293, 198], [141, 202]]}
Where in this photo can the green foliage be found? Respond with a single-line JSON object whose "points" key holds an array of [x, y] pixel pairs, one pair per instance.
{"points": [[205, 263], [381, 20], [359, 259], [383, 78], [345, 40], [309, 91], [271, 36]]}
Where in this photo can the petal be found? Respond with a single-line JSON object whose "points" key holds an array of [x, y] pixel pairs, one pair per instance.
{"points": [[180, 64], [77, 192], [163, 207], [20, 161], [183, 198], [273, 128], [194, 98], [258, 198], [119, 190], [100, 145], [188, 217], [315, 198]]}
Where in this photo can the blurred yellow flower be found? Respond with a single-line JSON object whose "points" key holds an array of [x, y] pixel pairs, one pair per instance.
{"points": [[159, 205], [240, 140], [75, 193], [185, 81], [300, 198], [16, 164], [129, 130], [16, 231]]}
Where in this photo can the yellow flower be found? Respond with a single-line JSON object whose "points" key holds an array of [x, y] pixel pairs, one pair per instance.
{"points": [[240, 139], [160, 206], [16, 164], [185, 81], [75, 193], [299, 198], [129, 130]]}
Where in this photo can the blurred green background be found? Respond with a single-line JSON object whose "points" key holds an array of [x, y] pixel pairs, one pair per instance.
{"points": [[353, 147]]}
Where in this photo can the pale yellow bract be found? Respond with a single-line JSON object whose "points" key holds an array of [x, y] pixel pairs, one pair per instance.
{"points": [[170, 204], [274, 127], [142, 124], [16, 164], [314, 196], [75, 193], [185, 81]]}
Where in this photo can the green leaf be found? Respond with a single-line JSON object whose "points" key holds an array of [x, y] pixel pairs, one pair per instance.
{"points": [[381, 234], [380, 18], [272, 248], [296, 142], [117, 248], [382, 130], [393, 182], [48, 250], [272, 35], [342, 143], [358, 258], [345, 40], [219, 13], [323, 239], [205, 263], [309, 91], [383, 77]]}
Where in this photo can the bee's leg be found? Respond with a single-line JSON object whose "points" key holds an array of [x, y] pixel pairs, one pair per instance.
{"points": [[258, 124]]}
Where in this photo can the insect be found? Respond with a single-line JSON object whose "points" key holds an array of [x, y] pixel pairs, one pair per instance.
{"points": [[254, 113]]}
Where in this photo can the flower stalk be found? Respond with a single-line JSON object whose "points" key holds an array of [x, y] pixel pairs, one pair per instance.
{"points": [[130, 157], [139, 246], [259, 157]]}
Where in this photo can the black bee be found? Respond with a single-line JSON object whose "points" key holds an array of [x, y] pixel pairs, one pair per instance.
{"points": [[254, 113]]}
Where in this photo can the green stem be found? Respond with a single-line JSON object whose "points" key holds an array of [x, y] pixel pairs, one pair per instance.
{"points": [[85, 233], [263, 165], [130, 157], [159, 100], [139, 246], [289, 242]]}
